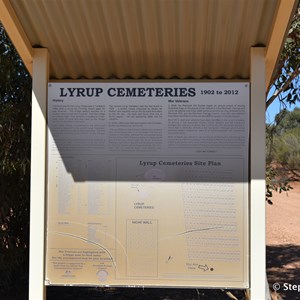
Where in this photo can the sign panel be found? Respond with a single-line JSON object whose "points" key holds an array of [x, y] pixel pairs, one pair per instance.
{"points": [[148, 184]]}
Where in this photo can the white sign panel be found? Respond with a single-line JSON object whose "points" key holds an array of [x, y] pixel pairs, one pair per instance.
{"points": [[148, 184]]}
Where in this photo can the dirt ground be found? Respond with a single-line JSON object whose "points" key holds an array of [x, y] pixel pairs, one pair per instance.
{"points": [[283, 244]]}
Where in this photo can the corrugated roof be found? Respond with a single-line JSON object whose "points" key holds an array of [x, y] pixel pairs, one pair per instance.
{"points": [[147, 38]]}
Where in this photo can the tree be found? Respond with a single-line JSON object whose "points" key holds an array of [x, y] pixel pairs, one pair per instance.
{"points": [[288, 120], [285, 87], [283, 150], [286, 79], [284, 140], [15, 119], [284, 121]]}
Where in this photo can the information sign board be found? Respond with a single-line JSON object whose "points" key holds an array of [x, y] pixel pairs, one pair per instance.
{"points": [[148, 184]]}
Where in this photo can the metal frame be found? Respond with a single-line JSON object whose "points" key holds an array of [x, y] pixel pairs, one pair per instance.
{"points": [[37, 288]]}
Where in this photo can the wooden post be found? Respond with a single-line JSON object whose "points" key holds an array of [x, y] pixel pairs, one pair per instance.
{"points": [[257, 176], [37, 290]]}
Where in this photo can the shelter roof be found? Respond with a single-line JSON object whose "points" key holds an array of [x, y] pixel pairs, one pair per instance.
{"points": [[152, 39]]}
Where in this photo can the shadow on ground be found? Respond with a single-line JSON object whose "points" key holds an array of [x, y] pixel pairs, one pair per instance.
{"points": [[138, 294], [94, 293], [283, 269]]}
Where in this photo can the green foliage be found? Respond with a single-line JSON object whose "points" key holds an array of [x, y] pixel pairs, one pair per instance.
{"points": [[270, 131], [287, 120], [283, 149], [284, 121], [15, 115], [287, 149], [15, 119], [282, 136], [274, 184], [287, 77]]}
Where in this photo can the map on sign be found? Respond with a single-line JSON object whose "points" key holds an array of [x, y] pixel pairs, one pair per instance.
{"points": [[148, 184]]}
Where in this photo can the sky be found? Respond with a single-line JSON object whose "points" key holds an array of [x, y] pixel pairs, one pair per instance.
{"points": [[275, 108], [271, 112]]}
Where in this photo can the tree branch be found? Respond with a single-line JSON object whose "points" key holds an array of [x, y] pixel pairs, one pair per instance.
{"points": [[279, 91]]}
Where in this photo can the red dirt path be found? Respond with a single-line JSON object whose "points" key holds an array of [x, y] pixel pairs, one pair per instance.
{"points": [[283, 243]]}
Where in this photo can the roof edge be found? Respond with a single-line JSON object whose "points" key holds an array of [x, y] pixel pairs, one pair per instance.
{"points": [[281, 25], [16, 33]]}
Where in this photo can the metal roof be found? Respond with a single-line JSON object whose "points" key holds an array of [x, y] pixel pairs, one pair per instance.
{"points": [[148, 38]]}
